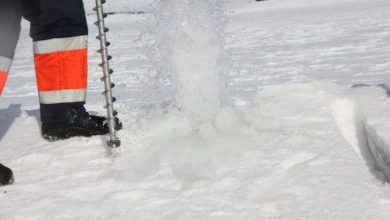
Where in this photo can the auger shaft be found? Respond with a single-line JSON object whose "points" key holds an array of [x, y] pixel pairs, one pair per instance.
{"points": [[111, 113]]}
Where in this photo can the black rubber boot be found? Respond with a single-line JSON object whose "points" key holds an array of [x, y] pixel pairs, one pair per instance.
{"points": [[78, 122], [6, 175]]}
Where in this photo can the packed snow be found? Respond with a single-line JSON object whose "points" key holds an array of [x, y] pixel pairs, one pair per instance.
{"points": [[232, 109]]}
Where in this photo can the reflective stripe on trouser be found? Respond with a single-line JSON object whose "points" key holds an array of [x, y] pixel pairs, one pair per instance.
{"points": [[5, 64], [61, 69]]}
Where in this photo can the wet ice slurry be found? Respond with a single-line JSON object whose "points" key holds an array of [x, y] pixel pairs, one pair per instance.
{"points": [[196, 141]]}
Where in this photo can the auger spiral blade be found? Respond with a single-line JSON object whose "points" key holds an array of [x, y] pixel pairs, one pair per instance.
{"points": [[114, 141]]}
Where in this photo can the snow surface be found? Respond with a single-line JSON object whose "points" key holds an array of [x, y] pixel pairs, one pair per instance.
{"points": [[231, 110]]}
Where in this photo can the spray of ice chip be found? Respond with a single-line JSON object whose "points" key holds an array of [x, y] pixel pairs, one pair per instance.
{"points": [[190, 52]]}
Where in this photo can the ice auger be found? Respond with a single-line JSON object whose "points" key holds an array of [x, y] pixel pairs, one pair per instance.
{"points": [[114, 141]]}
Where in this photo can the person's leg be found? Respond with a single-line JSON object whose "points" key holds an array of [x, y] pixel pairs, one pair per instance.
{"points": [[10, 17], [59, 31]]}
